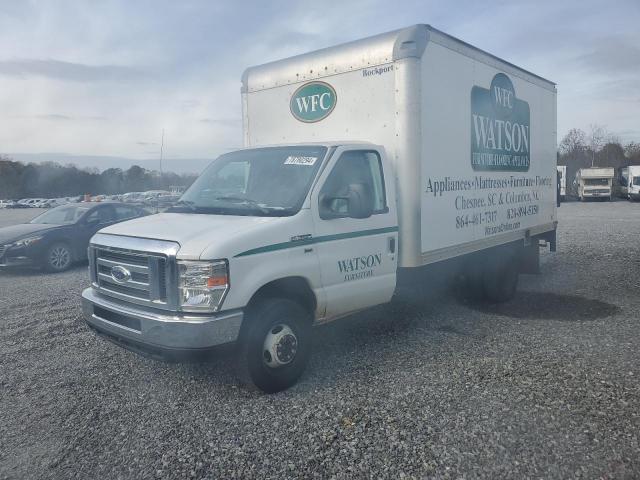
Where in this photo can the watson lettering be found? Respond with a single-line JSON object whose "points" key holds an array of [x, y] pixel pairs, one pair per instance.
{"points": [[500, 128]]}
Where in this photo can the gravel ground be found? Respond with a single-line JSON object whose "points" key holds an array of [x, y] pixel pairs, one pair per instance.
{"points": [[546, 386]]}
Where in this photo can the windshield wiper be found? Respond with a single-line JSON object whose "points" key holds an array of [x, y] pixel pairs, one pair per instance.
{"points": [[183, 203], [248, 201]]}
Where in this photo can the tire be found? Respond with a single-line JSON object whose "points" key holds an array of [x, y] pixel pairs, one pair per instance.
{"points": [[275, 344], [57, 258], [468, 285], [500, 278]]}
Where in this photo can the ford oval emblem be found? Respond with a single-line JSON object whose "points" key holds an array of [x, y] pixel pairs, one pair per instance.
{"points": [[120, 274]]}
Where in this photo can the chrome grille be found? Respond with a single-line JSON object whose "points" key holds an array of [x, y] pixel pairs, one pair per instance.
{"points": [[151, 270], [147, 282]]}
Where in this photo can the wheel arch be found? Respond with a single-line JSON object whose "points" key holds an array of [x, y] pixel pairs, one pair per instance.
{"points": [[69, 242], [295, 288]]}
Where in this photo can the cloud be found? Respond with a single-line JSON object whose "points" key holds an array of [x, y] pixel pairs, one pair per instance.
{"points": [[57, 117], [222, 121], [75, 72], [95, 78], [613, 55]]}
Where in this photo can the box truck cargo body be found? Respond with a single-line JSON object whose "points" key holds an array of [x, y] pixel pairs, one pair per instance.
{"points": [[362, 162], [562, 181], [472, 139], [629, 181]]}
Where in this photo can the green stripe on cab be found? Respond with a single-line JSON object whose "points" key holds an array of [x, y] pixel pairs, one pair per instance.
{"points": [[310, 241]]}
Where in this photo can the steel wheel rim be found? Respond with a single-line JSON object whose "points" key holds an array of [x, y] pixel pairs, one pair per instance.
{"points": [[59, 257], [280, 346]]}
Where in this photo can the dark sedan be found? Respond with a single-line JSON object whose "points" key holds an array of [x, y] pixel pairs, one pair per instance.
{"points": [[59, 237]]}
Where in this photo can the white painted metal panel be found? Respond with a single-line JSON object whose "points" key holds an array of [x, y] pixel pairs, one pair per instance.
{"points": [[465, 211], [416, 102], [364, 112]]}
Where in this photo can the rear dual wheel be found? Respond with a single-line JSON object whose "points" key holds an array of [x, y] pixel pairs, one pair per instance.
{"points": [[500, 278], [493, 278]]}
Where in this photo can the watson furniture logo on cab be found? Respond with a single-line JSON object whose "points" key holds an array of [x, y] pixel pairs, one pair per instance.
{"points": [[313, 102]]}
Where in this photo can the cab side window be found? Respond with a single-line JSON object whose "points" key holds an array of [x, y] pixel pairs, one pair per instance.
{"points": [[356, 167], [124, 212]]}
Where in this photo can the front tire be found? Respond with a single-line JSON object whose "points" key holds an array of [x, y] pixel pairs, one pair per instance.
{"points": [[275, 344], [58, 258]]}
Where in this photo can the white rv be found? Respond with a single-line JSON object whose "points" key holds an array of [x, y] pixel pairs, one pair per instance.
{"points": [[364, 163], [562, 181], [594, 183], [629, 180]]}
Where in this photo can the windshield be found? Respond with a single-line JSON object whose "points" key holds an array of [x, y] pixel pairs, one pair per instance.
{"points": [[596, 181], [259, 182], [61, 215]]}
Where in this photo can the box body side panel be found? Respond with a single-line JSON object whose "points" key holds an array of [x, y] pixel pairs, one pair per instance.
{"points": [[478, 189]]}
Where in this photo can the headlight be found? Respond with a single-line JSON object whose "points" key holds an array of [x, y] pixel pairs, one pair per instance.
{"points": [[202, 286], [25, 242]]}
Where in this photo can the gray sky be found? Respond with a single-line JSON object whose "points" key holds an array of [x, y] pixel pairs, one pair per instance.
{"points": [[104, 78]]}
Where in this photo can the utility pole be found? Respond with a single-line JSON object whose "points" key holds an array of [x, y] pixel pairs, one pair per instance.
{"points": [[161, 151]]}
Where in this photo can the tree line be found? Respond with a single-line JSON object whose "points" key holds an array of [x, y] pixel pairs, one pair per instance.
{"points": [[52, 180], [578, 149], [595, 148]]}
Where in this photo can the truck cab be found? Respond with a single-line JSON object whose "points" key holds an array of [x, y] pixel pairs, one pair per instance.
{"points": [[314, 226]]}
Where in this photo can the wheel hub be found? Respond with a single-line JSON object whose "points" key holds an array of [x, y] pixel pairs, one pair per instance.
{"points": [[59, 257], [280, 346]]}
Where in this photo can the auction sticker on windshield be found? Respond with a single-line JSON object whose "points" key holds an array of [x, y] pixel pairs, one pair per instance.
{"points": [[306, 161]]}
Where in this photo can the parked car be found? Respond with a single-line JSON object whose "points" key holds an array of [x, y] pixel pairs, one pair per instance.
{"points": [[60, 236], [36, 202], [132, 197], [17, 205], [51, 203]]}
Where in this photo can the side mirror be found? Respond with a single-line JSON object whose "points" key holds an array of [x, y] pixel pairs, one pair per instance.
{"points": [[359, 201], [93, 222]]}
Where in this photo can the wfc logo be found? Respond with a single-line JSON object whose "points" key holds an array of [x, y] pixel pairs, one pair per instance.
{"points": [[500, 128], [313, 102]]}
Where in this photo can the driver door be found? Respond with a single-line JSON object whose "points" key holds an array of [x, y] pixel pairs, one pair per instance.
{"points": [[358, 256]]}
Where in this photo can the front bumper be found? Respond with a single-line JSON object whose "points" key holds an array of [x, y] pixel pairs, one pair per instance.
{"points": [[11, 256], [158, 333], [16, 262]]}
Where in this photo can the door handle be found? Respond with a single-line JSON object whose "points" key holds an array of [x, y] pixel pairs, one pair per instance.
{"points": [[392, 244]]}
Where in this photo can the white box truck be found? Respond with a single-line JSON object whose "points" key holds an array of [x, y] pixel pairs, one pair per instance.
{"points": [[364, 162], [562, 181], [629, 180], [594, 182]]}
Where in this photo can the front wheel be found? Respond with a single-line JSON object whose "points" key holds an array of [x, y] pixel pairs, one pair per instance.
{"points": [[275, 344], [57, 258]]}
